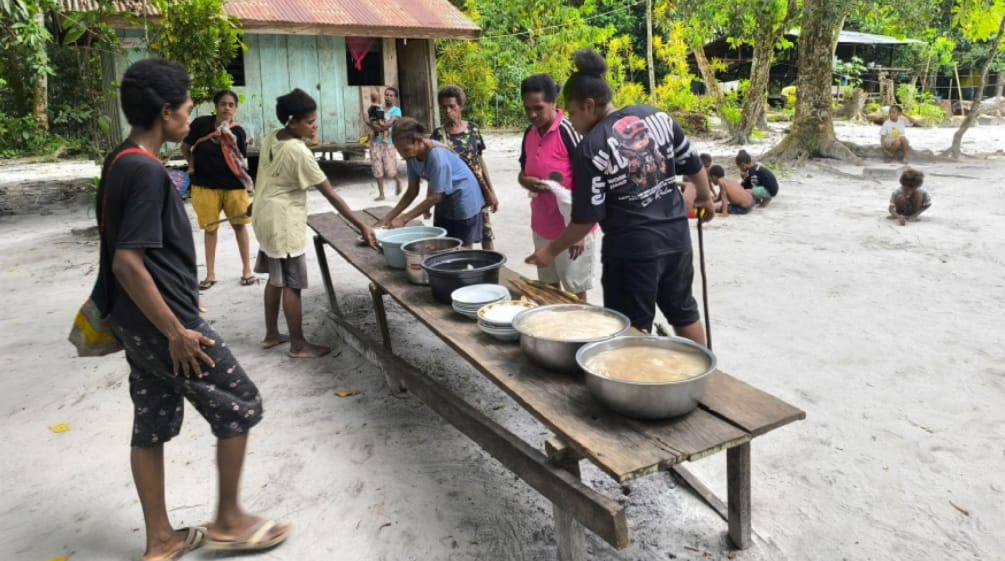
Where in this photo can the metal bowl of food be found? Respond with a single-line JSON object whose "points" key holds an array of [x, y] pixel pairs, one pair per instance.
{"points": [[418, 250], [647, 377], [550, 335]]}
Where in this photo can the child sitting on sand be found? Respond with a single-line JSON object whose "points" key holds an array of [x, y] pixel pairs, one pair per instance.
{"points": [[891, 135], [757, 178], [732, 197], [910, 200]]}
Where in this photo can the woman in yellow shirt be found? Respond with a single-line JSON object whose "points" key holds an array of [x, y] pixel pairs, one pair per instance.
{"points": [[286, 170]]}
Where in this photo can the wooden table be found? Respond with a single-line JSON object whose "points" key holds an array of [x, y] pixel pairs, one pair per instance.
{"points": [[730, 415]]}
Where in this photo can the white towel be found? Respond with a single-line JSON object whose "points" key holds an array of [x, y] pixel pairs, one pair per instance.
{"points": [[564, 198]]}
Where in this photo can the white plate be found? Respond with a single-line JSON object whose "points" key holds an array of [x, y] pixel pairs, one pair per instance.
{"points": [[501, 334], [501, 313], [480, 294]]}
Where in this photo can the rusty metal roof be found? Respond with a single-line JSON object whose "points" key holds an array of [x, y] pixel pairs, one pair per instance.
{"points": [[425, 19]]}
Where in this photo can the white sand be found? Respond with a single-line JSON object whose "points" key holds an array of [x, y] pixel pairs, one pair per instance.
{"points": [[889, 337]]}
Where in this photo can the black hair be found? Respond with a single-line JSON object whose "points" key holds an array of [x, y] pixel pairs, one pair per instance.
{"points": [[897, 107], [392, 89], [588, 79], [294, 106], [148, 86], [542, 84], [742, 157], [716, 171], [912, 178], [706, 158], [223, 93], [408, 129], [452, 91]]}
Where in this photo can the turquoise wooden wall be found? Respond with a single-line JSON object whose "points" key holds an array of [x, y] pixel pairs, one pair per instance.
{"points": [[274, 65]]}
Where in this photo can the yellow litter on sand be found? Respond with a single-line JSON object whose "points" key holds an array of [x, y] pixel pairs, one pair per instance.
{"points": [[58, 559], [348, 393], [61, 427]]}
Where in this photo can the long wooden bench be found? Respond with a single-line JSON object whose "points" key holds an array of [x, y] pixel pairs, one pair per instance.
{"points": [[731, 414]]}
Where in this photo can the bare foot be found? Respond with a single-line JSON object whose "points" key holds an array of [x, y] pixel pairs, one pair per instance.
{"points": [[308, 350], [270, 342], [380, 198], [892, 217]]}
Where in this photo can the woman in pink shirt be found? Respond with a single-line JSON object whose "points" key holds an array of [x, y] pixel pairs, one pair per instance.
{"points": [[546, 167]]}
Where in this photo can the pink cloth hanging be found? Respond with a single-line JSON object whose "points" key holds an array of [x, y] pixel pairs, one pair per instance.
{"points": [[359, 47]]}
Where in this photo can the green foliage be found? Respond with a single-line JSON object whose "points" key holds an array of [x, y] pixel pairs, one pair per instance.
{"points": [[19, 137], [200, 36], [23, 42], [931, 113], [849, 72], [907, 97]]}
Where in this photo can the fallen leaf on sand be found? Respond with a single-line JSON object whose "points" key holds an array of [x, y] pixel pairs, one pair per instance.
{"points": [[58, 428], [58, 559], [959, 508], [348, 393]]}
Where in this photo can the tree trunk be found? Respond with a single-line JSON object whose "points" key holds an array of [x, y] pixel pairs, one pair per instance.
{"points": [[712, 88], [649, 51], [975, 106], [1000, 83], [39, 89], [812, 131], [769, 31]]}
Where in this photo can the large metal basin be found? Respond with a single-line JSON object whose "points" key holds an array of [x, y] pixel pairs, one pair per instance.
{"points": [[560, 354], [647, 400]]}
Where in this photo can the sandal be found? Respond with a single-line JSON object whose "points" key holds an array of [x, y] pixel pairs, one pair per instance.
{"points": [[194, 539], [206, 284], [254, 539], [248, 281]]}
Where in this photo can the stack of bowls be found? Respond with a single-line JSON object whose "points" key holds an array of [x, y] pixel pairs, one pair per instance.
{"points": [[497, 319], [449, 271], [467, 300]]}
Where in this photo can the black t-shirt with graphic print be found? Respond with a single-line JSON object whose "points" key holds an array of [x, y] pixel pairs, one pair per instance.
{"points": [[145, 211], [211, 169], [625, 173]]}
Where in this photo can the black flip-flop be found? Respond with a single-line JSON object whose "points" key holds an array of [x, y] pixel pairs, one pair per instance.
{"points": [[206, 284]]}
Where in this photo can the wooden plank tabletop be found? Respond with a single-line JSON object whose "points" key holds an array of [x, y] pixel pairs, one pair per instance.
{"points": [[731, 413]]}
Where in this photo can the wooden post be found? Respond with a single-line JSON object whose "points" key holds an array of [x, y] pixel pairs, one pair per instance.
{"points": [[326, 276], [377, 296], [738, 491], [959, 88], [569, 533]]}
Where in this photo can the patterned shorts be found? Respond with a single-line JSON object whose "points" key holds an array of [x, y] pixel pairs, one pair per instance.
{"points": [[224, 396]]}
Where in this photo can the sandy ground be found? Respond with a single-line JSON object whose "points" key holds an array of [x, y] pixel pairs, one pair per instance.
{"points": [[889, 337]]}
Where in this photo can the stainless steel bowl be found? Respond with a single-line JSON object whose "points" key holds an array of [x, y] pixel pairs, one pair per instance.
{"points": [[418, 250], [647, 400], [556, 354]]}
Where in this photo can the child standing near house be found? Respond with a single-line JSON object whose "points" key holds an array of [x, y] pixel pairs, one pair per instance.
{"points": [[910, 200], [375, 116]]}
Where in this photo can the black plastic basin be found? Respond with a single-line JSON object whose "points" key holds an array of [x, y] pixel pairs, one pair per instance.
{"points": [[449, 271]]}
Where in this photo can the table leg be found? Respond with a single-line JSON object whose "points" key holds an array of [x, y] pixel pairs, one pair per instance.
{"points": [[377, 295], [569, 533], [738, 490], [326, 276]]}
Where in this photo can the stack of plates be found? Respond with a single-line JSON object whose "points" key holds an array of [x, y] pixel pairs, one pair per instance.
{"points": [[467, 300], [497, 319]]}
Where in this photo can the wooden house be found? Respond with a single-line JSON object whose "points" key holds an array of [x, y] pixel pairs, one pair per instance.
{"points": [[338, 51]]}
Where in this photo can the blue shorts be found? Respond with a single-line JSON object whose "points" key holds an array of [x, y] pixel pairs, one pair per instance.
{"points": [[737, 209], [468, 230]]}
